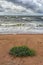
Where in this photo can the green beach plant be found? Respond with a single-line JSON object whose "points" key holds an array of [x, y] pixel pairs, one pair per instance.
{"points": [[21, 51]]}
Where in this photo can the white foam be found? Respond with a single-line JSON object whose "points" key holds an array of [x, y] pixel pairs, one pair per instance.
{"points": [[20, 30]]}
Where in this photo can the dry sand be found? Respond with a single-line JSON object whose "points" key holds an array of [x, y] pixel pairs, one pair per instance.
{"points": [[32, 41]]}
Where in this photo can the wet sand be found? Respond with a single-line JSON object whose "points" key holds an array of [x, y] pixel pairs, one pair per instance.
{"points": [[32, 41]]}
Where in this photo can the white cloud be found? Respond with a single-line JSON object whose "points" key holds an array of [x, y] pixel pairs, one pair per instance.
{"points": [[35, 5], [27, 6], [9, 7]]}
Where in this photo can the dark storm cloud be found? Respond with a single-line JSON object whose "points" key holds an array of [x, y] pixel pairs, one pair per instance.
{"points": [[26, 6], [1, 9], [34, 5], [40, 11], [19, 2]]}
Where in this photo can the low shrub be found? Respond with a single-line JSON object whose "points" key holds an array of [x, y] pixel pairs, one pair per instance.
{"points": [[21, 51]]}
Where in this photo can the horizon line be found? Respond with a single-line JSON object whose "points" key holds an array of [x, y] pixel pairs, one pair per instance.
{"points": [[23, 15]]}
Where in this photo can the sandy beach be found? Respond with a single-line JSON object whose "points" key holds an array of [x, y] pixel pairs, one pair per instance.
{"points": [[32, 41]]}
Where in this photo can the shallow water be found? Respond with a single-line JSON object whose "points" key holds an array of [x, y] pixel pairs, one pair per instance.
{"points": [[20, 30]]}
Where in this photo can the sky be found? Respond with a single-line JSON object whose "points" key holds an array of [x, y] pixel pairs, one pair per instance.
{"points": [[21, 7]]}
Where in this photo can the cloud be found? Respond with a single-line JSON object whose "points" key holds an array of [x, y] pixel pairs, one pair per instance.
{"points": [[21, 6], [12, 8], [1, 9], [34, 5]]}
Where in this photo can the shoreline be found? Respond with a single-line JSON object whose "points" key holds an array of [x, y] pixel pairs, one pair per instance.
{"points": [[20, 31]]}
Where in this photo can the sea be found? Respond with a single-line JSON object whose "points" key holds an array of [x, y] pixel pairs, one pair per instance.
{"points": [[21, 24]]}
